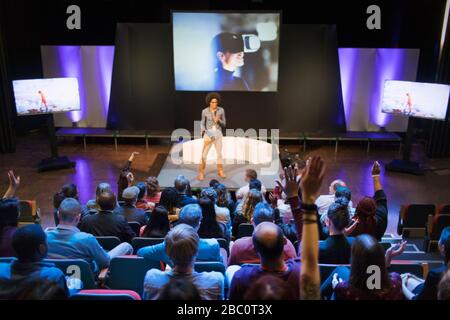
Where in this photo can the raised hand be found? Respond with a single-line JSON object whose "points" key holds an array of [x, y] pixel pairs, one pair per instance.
{"points": [[352, 227], [394, 251], [133, 154], [273, 200], [14, 181], [376, 168], [291, 185], [312, 179]]}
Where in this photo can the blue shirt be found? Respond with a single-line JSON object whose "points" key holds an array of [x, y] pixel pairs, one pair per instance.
{"points": [[208, 250], [18, 271], [68, 242]]}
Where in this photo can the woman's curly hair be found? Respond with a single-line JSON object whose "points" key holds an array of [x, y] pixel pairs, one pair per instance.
{"points": [[212, 95]]}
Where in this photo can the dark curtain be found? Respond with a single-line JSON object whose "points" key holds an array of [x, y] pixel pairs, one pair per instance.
{"points": [[7, 135], [439, 139]]}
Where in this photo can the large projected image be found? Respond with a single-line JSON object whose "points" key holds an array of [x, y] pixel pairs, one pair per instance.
{"points": [[423, 100], [226, 51], [39, 96]]}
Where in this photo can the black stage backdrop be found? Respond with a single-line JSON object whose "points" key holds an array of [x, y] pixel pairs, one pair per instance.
{"points": [[309, 96]]}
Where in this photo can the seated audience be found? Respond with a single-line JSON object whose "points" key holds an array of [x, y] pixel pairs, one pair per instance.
{"points": [[106, 222], [224, 199], [141, 203], [128, 210], [243, 250], [67, 191], [371, 214], [158, 224], [352, 284], [210, 227], [181, 246], [244, 212], [208, 249], [222, 213], [183, 189], [31, 289], [417, 289], [288, 228], [269, 243], [66, 241], [126, 177], [169, 200], [336, 249], [30, 244], [444, 287], [269, 287], [153, 191], [179, 289], [92, 204], [323, 202], [249, 175], [9, 221]]}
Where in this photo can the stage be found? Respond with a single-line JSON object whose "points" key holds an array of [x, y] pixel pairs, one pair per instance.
{"points": [[238, 154]]}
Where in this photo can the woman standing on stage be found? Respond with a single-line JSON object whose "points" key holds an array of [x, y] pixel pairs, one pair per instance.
{"points": [[212, 123]]}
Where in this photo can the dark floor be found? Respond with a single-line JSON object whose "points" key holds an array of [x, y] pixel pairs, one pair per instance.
{"points": [[100, 162]]}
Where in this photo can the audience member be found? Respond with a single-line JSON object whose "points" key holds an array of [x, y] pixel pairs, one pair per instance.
{"points": [[210, 227], [128, 210], [183, 189], [182, 246], [248, 176], [9, 220], [208, 249], [92, 204], [179, 289], [244, 212], [66, 241], [444, 287], [269, 287], [141, 203], [158, 224], [153, 190], [106, 222], [222, 213], [243, 250], [126, 177]]}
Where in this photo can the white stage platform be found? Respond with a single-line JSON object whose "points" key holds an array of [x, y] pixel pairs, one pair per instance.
{"points": [[238, 153]]}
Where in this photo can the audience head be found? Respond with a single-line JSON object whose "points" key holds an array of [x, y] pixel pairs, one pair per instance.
{"points": [[30, 243], [334, 184], [57, 199], [209, 227], [31, 289], [106, 201], [209, 193], [152, 186], [169, 198], [444, 286], [158, 224], [130, 195], [263, 213], [9, 213], [142, 188], [222, 195], [444, 244], [102, 187], [255, 184], [182, 245], [367, 252], [338, 217], [213, 183], [365, 212], [181, 183], [191, 214], [69, 212], [70, 190], [268, 241], [300, 166], [343, 192], [250, 174], [179, 289], [269, 287], [252, 198]]}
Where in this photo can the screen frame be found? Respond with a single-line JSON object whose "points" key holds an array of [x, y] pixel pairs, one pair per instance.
{"points": [[44, 113], [412, 116], [279, 12]]}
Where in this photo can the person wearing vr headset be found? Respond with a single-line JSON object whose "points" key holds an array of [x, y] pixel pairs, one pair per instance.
{"points": [[228, 50]]}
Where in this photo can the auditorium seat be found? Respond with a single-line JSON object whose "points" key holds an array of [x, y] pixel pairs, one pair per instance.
{"points": [[28, 212], [414, 217], [83, 269], [419, 269], [224, 245], [141, 242], [208, 266], [435, 226], [135, 226], [245, 230], [7, 259], [102, 294], [108, 243], [128, 273]]}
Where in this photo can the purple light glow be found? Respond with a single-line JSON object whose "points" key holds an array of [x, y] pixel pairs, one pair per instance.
{"points": [[83, 180], [105, 58], [363, 72], [70, 66]]}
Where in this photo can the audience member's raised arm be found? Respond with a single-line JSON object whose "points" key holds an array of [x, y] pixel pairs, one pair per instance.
{"points": [[14, 183], [381, 200], [310, 185], [376, 176]]}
